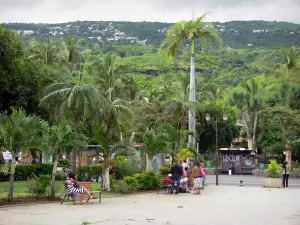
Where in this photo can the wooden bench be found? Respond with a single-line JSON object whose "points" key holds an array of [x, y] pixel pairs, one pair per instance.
{"points": [[87, 185]]}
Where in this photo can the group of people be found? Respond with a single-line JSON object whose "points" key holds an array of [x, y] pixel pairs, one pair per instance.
{"points": [[180, 177]]}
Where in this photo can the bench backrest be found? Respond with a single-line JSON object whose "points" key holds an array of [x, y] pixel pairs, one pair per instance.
{"points": [[87, 185]]}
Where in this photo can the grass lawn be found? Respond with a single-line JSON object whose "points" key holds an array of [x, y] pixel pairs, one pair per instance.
{"points": [[21, 189]]}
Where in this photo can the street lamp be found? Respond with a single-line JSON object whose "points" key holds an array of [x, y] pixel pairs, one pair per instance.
{"points": [[216, 127]]}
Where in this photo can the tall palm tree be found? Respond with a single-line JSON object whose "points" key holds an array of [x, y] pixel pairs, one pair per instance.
{"points": [[192, 30], [61, 139], [252, 97], [116, 117], [76, 100], [18, 133]]}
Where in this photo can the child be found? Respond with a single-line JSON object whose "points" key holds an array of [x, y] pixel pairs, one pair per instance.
{"points": [[203, 174]]}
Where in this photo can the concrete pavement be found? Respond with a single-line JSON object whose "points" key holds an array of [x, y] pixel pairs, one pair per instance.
{"points": [[222, 205]]}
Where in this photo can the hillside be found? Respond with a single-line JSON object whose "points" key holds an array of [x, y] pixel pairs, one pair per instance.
{"points": [[236, 34]]}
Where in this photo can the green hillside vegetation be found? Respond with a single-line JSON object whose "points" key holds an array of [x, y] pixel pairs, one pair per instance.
{"points": [[235, 34]]}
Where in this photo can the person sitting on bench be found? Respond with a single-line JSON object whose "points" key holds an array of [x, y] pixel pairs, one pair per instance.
{"points": [[74, 187]]}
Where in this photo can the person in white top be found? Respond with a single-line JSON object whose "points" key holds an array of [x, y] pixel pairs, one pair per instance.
{"points": [[285, 174]]}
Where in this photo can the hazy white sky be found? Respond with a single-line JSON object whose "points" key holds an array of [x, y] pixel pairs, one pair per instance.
{"points": [[54, 11]]}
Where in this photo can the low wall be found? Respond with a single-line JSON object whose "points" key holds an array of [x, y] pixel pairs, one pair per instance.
{"points": [[210, 171], [293, 174]]}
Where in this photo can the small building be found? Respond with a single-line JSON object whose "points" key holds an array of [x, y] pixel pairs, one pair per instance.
{"points": [[244, 160]]}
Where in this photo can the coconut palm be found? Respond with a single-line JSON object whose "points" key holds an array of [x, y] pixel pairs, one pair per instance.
{"points": [[116, 117], [18, 133], [61, 139], [76, 101], [192, 30], [70, 51]]}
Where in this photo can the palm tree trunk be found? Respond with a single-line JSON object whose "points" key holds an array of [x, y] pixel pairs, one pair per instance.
{"points": [[53, 176], [105, 175], [12, 177], [254, 130], [74, 152], [149, 163], [183, 120], [192, 97]]}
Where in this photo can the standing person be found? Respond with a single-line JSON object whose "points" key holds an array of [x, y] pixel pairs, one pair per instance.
{"points": [[203, 174], [231, 167], [285, 174], [185, 180], [196, 174], [176, 172], [17, 160]]}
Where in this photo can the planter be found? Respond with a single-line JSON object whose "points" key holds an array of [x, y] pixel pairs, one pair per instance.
{"points": [[272, 182]]}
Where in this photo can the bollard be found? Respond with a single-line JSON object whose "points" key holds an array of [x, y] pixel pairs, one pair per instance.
{"points": [[241, 183]]}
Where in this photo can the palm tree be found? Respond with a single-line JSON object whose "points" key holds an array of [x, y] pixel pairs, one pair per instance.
{"points": [[175, 139], [179, 105], [106, 69], [212, 92], [75, 100], [109, 147], [153, 145], [116, 117], [70, 51], [61, 139], [252, 98], [18, 133], [192, 30], [291, 61]]}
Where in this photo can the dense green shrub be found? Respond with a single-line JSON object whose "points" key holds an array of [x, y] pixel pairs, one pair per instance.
{"points": [[122, 187], [126, 167], [274, 169], [25, 172], [39, 185], [86, 173], [132, 182], [164, 171], [143, 181], [64, 163]]}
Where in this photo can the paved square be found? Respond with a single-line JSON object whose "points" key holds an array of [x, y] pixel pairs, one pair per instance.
{"points": [[215, 206]]}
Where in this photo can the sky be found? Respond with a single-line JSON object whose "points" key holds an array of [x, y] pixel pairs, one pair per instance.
{"points": [[57, 11]]}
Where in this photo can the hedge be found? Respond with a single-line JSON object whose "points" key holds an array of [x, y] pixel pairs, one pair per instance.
{"points": [[86, 173], [144, 181], [25, 172]]}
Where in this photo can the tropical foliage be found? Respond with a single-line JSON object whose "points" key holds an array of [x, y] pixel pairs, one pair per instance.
{"points": [[123, 98]]}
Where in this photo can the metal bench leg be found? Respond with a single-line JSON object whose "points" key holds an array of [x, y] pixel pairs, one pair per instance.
{"points": [[88, 199], [63, 200], [100, 195]]}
